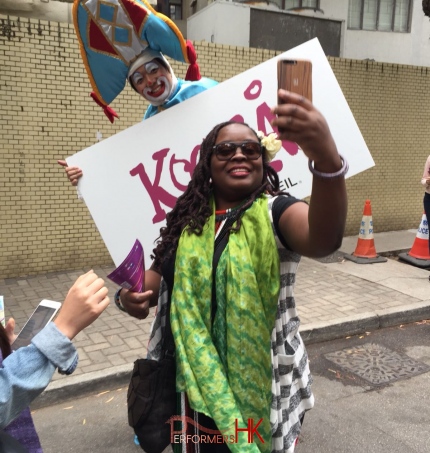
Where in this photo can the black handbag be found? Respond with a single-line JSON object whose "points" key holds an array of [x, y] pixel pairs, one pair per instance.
{"points": [[151, 396], [10, 445]]}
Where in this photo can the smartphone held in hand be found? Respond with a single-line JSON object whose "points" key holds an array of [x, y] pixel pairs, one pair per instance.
{"points": [[295, 76], [44, 313]]}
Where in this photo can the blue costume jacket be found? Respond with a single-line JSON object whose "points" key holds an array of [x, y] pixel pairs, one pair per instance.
{"points": [[184, 90]]}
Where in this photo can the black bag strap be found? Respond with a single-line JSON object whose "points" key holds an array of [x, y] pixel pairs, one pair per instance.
{"points": [[168, 271], [168, 343]]}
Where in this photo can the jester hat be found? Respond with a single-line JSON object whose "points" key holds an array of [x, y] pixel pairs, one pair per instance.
{"points": [[113, 34]]}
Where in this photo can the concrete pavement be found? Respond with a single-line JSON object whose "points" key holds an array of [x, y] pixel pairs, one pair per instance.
{"points": [[370, 397], [336, 298]]}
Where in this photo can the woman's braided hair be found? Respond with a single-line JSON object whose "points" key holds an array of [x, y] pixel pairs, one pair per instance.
{"points": [[4, 342], [193, 208]]}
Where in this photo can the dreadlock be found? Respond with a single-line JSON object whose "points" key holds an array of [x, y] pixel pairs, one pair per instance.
{"points": [[4, 342], [193, 208]]}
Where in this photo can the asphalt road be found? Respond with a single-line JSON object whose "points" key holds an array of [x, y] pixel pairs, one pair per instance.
{"points": [[389, 411], [93, 424], [372, 395]]}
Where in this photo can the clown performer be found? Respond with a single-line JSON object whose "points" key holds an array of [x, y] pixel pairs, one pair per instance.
{"points": [[128, 40]]}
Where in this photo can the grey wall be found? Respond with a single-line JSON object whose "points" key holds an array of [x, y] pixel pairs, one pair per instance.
{"points": [[272, 30]]}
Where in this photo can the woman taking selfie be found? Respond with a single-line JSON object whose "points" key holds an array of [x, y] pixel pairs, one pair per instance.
{"points": [[226, 262]]}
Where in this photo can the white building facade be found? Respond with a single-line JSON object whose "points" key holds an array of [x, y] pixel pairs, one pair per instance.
{"points": [[394, 31]]}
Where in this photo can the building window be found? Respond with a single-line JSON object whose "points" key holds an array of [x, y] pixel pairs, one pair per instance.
{"points": [[175, 9], [170, 8], [293, 4], [381, 15]]}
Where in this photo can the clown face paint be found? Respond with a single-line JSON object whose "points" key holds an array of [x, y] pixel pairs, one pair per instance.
{"points": [[153, 81]]}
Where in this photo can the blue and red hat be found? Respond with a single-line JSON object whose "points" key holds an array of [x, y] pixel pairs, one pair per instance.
{"points": [[113, 34]]}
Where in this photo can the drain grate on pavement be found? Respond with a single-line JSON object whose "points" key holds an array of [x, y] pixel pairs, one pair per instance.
{"points": [[376, 364]]}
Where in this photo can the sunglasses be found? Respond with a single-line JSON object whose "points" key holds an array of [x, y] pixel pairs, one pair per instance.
{"points": [[226, 151]]}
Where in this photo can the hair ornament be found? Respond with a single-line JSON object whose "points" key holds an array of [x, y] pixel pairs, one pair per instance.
{"points": [[271, 144]]}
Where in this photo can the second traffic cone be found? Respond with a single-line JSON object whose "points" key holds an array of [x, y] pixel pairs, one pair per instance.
{"points": [[419, 254], [365, 252]]}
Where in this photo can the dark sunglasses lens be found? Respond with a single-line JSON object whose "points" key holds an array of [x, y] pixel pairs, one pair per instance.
{"points": [[251, 150], [225, 151]]}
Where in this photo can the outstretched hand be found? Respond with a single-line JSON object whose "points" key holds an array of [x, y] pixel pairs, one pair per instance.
{"points": [[73, 173], [84, 303], [299, 121]]}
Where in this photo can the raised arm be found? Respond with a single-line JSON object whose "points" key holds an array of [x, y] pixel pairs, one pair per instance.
{"points": [[315, 230], [26, 372]]}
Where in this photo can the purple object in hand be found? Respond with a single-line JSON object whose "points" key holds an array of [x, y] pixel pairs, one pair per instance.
{"points": [[131, 272]]}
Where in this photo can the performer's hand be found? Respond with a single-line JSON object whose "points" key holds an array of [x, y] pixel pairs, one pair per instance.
{"points": [[73, 173]]}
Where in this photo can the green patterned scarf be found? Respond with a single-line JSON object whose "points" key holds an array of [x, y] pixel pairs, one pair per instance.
{"points": [[226, 372]]}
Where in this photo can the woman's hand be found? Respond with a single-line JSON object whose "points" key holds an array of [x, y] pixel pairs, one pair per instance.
{"points": [[10, 330], [73, 173], [136, 304], [299, 121], [317, 230], [84, 303]]}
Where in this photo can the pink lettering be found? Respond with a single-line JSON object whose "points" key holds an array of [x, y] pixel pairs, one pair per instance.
{"points": [[277, 165], [253, 90], [189, 167], [238, 118], [156, 193], [265, 116], [174, 161]]}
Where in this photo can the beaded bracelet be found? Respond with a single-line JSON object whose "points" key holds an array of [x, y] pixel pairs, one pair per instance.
{"points": [[117, 301], [342, 172]]}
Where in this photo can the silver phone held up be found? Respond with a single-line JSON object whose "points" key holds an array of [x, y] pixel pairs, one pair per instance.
{"points": [[43, 313]]}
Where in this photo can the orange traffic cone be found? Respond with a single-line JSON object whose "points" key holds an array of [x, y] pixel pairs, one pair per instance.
{"points": [[419, 254], [365, 252]]}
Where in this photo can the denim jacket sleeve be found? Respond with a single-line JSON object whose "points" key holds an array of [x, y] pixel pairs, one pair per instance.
{"points": [[26, 372]]}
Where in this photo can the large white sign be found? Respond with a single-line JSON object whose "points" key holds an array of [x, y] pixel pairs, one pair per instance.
{"points": [[132, 179]]}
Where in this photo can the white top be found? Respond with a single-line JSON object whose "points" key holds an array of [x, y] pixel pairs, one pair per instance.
{"points": [[426, 175]]}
